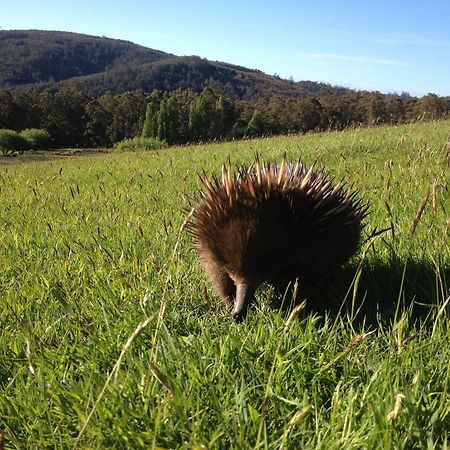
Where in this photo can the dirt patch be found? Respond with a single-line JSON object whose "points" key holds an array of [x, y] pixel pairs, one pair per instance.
{"points": [[46, 155]]}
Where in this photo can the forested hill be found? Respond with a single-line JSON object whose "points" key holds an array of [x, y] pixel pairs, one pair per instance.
{"points": [[55, 60], [32, 57]]}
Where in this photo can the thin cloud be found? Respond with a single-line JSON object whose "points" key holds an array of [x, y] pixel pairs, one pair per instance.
{"points": [[409, 40], [325, 57]]}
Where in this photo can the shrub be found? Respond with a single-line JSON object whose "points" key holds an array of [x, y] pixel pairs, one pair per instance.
{"points": [[11, 141], [37, 138], [141, 143]]}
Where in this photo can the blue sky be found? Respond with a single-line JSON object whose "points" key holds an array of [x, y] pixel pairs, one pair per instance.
{"points": [[390, 46]]}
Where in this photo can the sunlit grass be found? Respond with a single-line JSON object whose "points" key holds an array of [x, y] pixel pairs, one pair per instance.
{"points": [[111, 337]]}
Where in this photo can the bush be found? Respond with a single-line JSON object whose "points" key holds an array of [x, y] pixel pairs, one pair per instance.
{"points": [[11, 141], [141, 143], [37, 138]]}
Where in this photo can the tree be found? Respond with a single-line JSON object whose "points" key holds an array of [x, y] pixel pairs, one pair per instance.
{"points": [[25, 111], [168, 124], [69, 123], [107, 106], [310, 114], [333, 112], [257, 124], [128, 115], [184, 99], [7, 110], [279, 116], [224, 117], [202, 116], [396, 110], [197, 119], [37, 138], [11, 141], [150, 128], [61, 114], [375, 108], [429, 107], [98, 120]]}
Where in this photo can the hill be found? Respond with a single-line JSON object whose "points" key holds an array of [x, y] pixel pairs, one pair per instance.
{"points": [[33, 57], [55, 60]]}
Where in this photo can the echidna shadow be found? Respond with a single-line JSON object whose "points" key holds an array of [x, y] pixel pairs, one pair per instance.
{"points": [[275, 224]]}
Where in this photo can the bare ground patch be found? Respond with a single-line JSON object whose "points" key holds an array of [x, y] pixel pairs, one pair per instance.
{"points": [[46, 155]]}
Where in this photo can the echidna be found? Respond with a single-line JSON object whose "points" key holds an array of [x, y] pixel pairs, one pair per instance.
{"points": [[272, 223]]}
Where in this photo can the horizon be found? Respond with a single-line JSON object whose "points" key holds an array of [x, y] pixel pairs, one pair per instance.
{"points": [[387, 48]]}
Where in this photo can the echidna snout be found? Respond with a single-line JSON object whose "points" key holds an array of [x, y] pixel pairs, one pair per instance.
{"points": [[272, 223], [244, 297]]}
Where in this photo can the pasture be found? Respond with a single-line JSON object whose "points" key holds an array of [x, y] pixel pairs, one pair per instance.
{"points": [[111, 336]]}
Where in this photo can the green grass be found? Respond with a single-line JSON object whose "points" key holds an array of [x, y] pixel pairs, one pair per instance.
{"points": [[111, 337]]}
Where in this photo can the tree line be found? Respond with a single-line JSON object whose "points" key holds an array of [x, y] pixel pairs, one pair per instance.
{"points": [[74, 119]]}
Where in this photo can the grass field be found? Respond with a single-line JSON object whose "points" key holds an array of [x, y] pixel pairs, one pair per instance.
{"points": [[111, 337]]}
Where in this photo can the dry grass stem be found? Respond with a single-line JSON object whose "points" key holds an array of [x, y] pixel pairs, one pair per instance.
{"points": [[419, 213], [397, 407]]}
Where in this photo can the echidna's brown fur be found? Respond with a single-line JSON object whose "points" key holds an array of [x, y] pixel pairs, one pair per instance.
{"points": [[272, 223]]}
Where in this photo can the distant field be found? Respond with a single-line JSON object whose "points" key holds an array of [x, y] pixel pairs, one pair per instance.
{"points": [[111, 336]]}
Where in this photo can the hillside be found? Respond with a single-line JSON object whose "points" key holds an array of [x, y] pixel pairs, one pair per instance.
{"points": [[55, 60], [33, 57]]}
